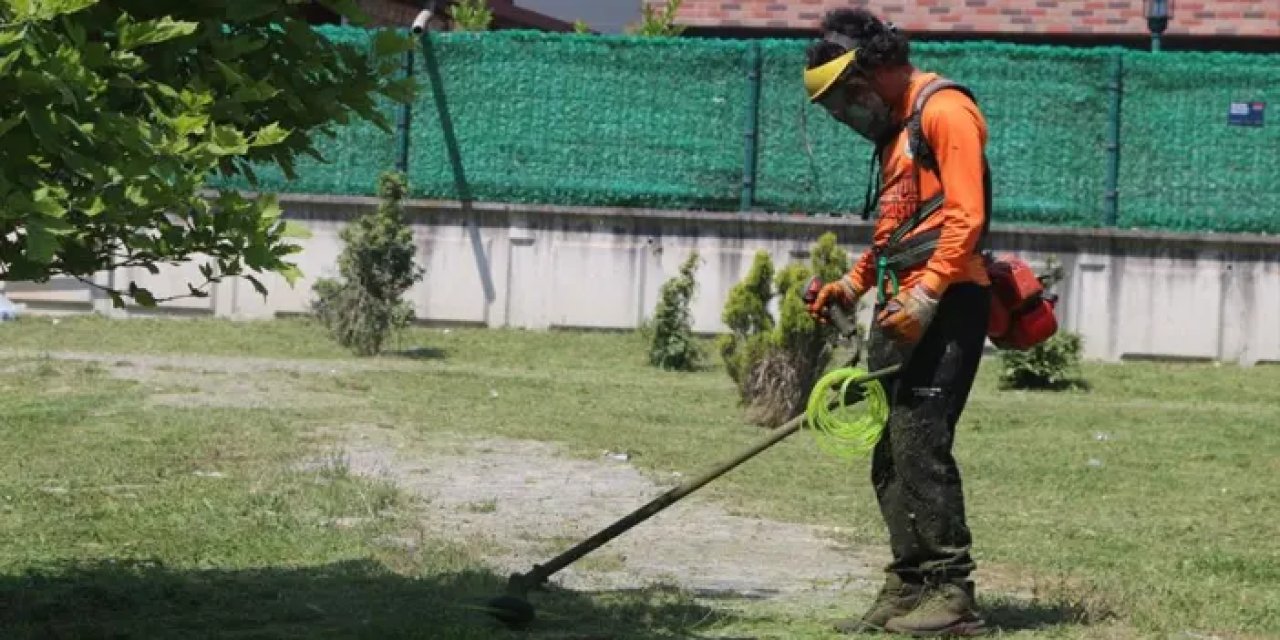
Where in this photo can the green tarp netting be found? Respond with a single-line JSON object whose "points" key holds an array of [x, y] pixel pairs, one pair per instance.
{"points": [[529, 117]]}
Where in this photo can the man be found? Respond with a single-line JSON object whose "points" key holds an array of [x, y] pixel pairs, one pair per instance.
{"points": [[932, 305]]}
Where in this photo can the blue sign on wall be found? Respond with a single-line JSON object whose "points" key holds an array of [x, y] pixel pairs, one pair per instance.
{"points": [[1246, 114]]}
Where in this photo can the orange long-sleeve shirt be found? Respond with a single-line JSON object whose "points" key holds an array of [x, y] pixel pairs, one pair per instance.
{"points": [[957, 133]]}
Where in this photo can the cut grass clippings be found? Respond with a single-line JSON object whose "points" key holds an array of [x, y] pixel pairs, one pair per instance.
{"points": [[1142, 508]]}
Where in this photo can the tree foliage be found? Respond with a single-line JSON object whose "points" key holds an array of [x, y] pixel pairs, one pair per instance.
{"points": [[672, 345], [377, 267], [776, 362], [659, 23], [113, 113], [472, 15], [1051, 365]]}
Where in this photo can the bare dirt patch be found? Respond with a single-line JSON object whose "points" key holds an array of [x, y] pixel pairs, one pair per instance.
{"points": [[210, 381], [526, 502]]}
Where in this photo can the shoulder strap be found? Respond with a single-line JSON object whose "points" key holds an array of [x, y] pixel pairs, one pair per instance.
{"points": [[921, 152], [923, 157]]}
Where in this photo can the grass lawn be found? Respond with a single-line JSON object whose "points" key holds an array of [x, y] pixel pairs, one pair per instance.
{"points": [[1145, 508]]}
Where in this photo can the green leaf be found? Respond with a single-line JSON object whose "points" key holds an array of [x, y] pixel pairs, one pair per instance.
{"points": [[26, 10], [42, 243], [165, 90], [7, 62], [239, 46], [53, 8], [82, 165], [291, 274], [127, 62], [256, 92], [295, 230], [9, 35], [96, 207], [9, 123], [230, 74], [257, 286], [286, 165], [402, 90], [22, 9], [42, 124], [133, 193], [389, 43], [140, 34], [269, 135], [190, 123], [94, 55], [257, 256], [141, 295], [46, 204], [76, 32], [227, 141]]}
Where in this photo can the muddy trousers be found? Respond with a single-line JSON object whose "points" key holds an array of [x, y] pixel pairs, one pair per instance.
{"points": [[917, 482]]}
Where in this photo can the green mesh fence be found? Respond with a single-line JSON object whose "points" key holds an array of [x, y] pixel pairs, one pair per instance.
{"points": [[807, 162], [661, 122], [354, 157], [1047, 115], [1182, 167], [581, 120]]}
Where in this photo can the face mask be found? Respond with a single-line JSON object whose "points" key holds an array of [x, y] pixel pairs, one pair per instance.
{"points": [[862, 110]]}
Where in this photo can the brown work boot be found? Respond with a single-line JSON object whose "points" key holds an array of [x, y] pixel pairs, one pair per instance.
{"points": [[945, 609], [896, 598]]}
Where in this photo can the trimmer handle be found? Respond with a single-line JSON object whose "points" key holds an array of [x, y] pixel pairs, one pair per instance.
{"points": [[838, 316]]}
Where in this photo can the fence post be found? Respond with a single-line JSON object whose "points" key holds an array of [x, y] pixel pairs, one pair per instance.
{"points": [[1115, 87], [751, 131], [402, 127]]}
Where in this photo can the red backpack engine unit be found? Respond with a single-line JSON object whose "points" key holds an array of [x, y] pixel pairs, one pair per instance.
{"points": [[1022, 312]]}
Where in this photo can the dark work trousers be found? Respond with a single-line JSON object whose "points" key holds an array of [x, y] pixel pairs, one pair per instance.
{"points": [[916, 479]]}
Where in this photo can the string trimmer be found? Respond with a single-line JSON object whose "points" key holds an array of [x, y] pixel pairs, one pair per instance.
{"points": [[832, 414]]}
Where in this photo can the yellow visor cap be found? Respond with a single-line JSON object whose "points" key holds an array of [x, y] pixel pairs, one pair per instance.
{"points": [[819, 79]]}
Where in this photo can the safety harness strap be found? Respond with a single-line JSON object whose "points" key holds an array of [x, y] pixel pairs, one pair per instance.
{"points": [[918, 250], [900, 253]]}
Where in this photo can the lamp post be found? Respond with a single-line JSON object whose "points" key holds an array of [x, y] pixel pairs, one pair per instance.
{"points": [[1159, 12], [421, 24]]}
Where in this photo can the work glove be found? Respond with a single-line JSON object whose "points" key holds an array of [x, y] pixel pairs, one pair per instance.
{"points": [[906, 317], [838, 291]]}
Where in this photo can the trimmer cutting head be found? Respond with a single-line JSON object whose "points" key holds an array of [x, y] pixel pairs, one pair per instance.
{"points": [[513, 608], [513, 611]]}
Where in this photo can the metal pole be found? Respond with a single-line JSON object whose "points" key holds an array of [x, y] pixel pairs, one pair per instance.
{"points": [[1155, 42], [402, 157], [1115, 87], [752, 128]]}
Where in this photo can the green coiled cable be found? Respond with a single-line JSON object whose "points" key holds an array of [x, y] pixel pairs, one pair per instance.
{"points": [[842, 428]]}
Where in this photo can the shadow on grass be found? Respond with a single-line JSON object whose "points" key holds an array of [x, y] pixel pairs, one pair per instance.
{"points": [[1058, 386], [353, 599], [418, 353], [1021, 615]]}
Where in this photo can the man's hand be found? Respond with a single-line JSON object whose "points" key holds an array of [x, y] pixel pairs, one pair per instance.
{"points": [[840, 292], [908, 315]]}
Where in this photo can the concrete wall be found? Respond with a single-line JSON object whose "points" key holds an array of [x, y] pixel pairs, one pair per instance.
{"points": [[1129, 294]]}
